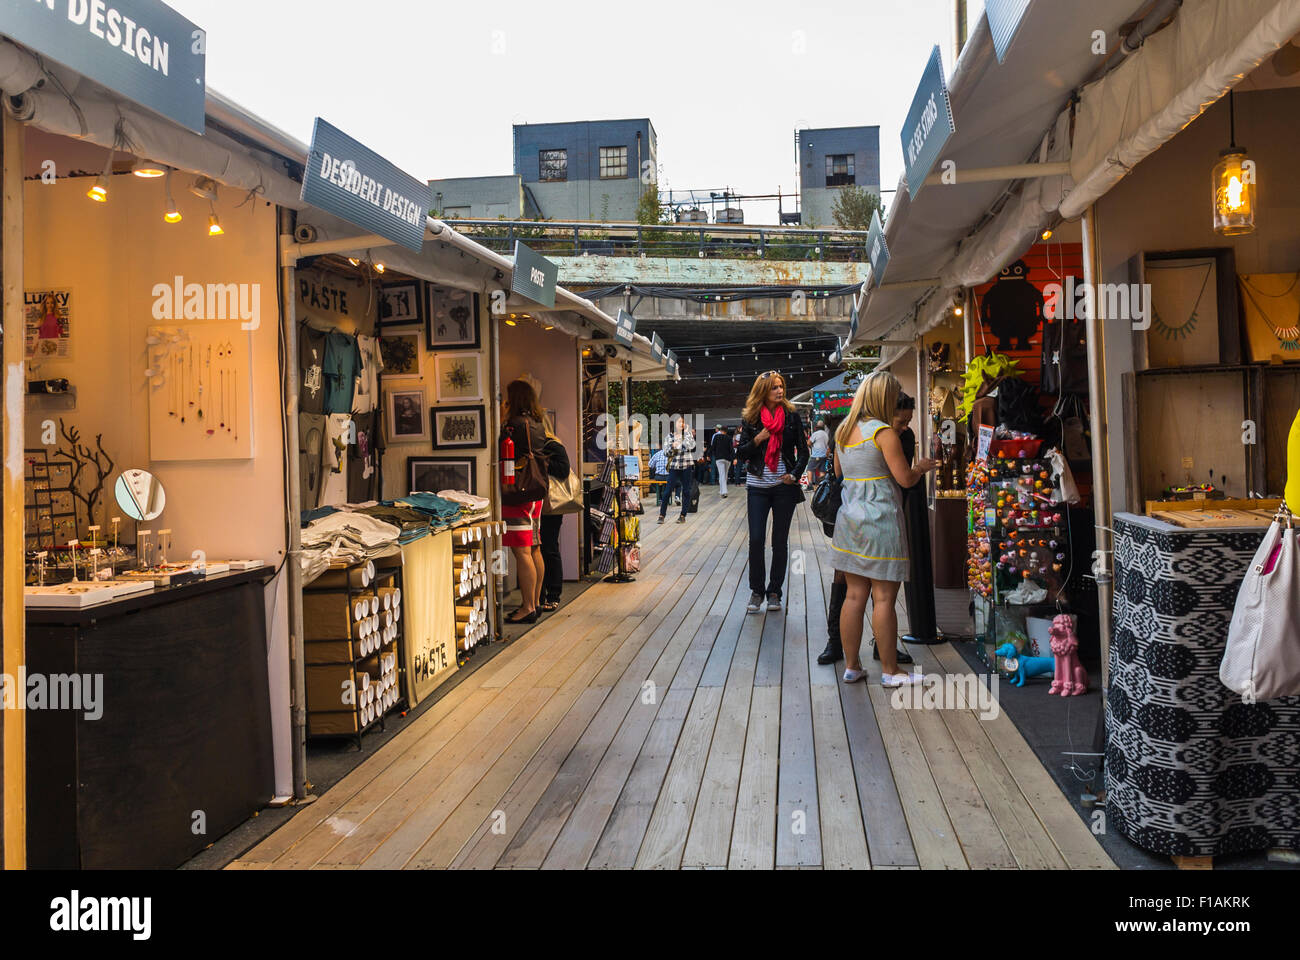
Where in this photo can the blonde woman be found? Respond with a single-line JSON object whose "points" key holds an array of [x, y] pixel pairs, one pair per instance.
{"points": [[869, 545], [775, 453]]}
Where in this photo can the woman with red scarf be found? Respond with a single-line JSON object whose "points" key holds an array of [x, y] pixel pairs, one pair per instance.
{"points": [[775, 453]]}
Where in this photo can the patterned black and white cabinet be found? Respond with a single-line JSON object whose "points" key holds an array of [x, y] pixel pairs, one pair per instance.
{"points": [[1190, 769]]}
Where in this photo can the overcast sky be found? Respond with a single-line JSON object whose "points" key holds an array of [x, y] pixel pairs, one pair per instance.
{"points": [[435, 87]]}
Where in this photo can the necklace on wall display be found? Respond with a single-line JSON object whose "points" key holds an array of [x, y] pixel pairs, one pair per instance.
{"points": [[1179, 329], [1288, 333]]}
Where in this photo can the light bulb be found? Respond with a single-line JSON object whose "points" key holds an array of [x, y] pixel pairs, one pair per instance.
{"points": [[214, 226], [1047, 234], [148, 169], [99, 192], [379, 268]]}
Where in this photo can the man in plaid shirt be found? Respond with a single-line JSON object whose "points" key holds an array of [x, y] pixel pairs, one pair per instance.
{"points": [[681, 463]]}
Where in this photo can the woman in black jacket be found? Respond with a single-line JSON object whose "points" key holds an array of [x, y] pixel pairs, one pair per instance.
{"points": [[775, 453], [557, 466]]}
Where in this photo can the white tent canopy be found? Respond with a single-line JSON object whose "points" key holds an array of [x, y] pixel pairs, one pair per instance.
{"points": [[1020, 112], [63, 103]]}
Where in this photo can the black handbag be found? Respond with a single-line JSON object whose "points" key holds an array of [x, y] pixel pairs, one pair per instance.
{"points": [[826, 500], [531, 479]]}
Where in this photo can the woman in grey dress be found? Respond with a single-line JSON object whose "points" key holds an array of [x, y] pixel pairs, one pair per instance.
{"points": [[869, 545]]}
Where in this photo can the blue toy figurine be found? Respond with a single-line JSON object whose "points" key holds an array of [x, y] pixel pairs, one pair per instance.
{"points": [[1023, 667]]}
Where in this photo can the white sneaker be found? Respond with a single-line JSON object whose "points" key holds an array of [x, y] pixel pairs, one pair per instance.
{"points": [[900, 679], [854, 676]]}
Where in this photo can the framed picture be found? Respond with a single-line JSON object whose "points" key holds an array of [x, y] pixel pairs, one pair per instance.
{"points": [[401, 351], [401, 304], [453, 319], [460, 376], [442, 473], [1193, 311], [406, 422], [459, 427]]}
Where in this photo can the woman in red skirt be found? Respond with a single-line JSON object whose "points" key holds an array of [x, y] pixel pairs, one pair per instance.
{"points": [[525, 421]]}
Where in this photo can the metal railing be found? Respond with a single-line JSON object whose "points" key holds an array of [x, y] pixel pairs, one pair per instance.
{"points": [[625, 239]]}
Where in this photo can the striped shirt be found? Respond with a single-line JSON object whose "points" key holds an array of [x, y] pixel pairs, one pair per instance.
{"points": [[770, 477]]}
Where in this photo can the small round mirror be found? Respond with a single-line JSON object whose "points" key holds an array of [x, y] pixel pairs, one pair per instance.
{"points": [[140, 494]]}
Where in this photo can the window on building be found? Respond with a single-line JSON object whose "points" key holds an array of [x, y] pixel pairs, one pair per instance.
{"points": [[613, 163], [839, 170], [553, 165]]}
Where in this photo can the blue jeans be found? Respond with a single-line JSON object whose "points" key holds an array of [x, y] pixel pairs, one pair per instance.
{"points": [[677, 479]]}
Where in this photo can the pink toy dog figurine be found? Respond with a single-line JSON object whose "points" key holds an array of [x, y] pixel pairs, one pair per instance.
{"points": [[1070, 679]]}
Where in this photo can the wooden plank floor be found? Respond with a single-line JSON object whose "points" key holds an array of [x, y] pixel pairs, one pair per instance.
{"points": [[658, 725]]}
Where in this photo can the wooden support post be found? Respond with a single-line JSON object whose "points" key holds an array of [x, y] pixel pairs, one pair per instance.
{"points": [[11, 517]]}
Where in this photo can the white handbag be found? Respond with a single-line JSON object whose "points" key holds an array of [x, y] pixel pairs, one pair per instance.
{"points": [[563, 496], [1262, 659]]}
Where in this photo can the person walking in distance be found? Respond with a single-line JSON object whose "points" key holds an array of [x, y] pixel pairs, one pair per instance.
{"points": [[720, 451], [869, 544], [775, 453], [681, 467], [819, 445]]}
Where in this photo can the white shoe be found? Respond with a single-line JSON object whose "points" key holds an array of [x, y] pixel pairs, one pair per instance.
{"points": [[854, 676], [899, 679]]}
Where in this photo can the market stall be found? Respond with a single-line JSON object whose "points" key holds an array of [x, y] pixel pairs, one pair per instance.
{"points": [[153, 509]]}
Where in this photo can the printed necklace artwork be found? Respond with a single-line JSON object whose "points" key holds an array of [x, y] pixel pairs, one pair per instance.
{"points": [[1289, 335], [1174, 328]]}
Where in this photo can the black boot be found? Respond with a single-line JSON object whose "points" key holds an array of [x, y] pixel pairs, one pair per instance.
{"points": [[834, 651], [903, 655]]}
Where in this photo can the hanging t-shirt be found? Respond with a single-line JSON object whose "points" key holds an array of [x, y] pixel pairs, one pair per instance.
{"points": [[334, 463], [342, 363], [363, 460], [367, 393], [311, 364], [311, 441]]}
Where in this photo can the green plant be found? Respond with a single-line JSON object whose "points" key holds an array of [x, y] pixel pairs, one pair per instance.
{"points": [[648, 397], [853, 208]]}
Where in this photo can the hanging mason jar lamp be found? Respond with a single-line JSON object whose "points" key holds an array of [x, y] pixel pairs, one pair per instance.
{"points": [[1233, 185]]}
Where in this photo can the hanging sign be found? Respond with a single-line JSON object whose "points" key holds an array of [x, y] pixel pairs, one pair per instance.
{"points": [[533, 276], [877, 248], [929, 125], [670, 363], [656, 346], [141, 49], [1004, 20], [349, 179], [626, 327], [853, 323]]}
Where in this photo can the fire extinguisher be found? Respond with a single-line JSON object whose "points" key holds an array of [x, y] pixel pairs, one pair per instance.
{"points": [[507, 463]]}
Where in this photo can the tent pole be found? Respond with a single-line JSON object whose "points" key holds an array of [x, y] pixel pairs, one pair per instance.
{"points": [[1103, 556], [293, 501], [968, 326], [12, 569]]}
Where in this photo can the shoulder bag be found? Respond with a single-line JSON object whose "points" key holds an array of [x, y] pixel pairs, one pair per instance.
{"points": [[826, 500], [1262, 657], [531, 480]]}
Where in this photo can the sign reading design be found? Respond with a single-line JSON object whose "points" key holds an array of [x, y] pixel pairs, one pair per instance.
{"points": [[349, 179], [142, 49]]}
